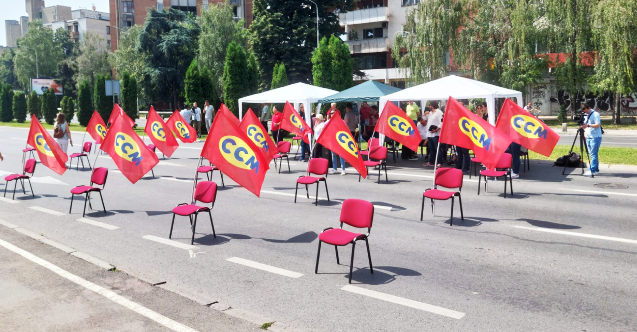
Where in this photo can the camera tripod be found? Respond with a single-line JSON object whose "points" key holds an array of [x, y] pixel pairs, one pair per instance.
{"points": [[582, 147]]}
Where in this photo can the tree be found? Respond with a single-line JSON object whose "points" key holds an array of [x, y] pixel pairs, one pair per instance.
{"points": [[34, 104], [49, 106], [85, 105], [128, 58], [19, 107], [93, 58], [322, 65], [234, 77], [7, 70], [102, 103], [6, 103], [342, 65], [615, 33], [207, 85], [218, 30], [253, 75], [192, 82], [129, 95], [168, 41], [279, 76], [68, 107], [38, 41]]}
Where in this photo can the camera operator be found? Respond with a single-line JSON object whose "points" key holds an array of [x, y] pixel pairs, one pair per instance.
{"points": [[592, 126]]}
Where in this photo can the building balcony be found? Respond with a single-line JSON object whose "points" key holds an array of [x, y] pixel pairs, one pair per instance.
{"points": [[75, 35], [363, 16], [372, 45]]}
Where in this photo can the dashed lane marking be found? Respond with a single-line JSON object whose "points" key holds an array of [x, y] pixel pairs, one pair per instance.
{"points": [[590, 236], [98, 224], [169, 242], [265, 267], [45, 210], [7, 200], [601, 192], [388, 208]]}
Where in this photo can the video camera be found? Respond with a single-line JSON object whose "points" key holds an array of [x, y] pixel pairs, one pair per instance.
{"points": [[579, 116]]}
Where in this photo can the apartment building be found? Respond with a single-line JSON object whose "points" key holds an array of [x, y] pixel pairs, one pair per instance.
{"points": [[126, 13], [369, 31], [13, 32], [85, 20]]}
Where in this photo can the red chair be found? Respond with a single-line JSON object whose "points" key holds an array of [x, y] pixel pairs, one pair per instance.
{"points": [[297, 139], [98, 178], [317, 166], [377, 158], [30, 151], [152, 148], [475, 163], [284, 149], [85, 149], [504, 165], [29, 168], [356, 213], [371, 143], [206, 192], [447, 178], [209, 171]]}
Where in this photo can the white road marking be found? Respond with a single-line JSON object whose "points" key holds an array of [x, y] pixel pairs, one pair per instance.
{"points": [[600, 192], [389, 208], [590, 236], [424, 176], [136, 307], [169, 242], [173, 179], [382, 207], [265, 267], [165, 163], [190, 148], [43, 179], [98, 224], [19, 139], [8, 224], [406, 302], [45, 210], [8, 200]]}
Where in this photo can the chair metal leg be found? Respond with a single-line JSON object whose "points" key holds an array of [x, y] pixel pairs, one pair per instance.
{"points": [[32, 194], [337, 260], [307, 193], [89, 163], [70, 208], [5, 188], [479, 183], [90, 206], [422, 210], [385, 166], [296, 191], [280, 163], [222, 183], [369, 256], [451, 220], [211, 224], [102, 199], [14, 186], [511, 184], [351, 264], [505, 186], [318, 255], [82, 160], [85, 200], [460, 202], [288, 161], [171, 227], [326, 192], [316, 197], [194, 227], [379, 167], [22, 184]]}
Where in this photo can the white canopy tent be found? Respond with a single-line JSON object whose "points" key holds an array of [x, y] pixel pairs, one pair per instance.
{"points": [[456, 87], [297, 93]]}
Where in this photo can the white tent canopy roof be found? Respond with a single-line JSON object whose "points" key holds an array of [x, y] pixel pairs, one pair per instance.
{"points": [[297, 93]]}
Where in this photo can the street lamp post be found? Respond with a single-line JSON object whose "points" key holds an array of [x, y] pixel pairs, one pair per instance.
{"points": [[37, 71], [317, 23]]}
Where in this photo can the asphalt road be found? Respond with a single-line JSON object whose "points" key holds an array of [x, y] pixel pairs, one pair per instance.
{"points": [[559, 255]]}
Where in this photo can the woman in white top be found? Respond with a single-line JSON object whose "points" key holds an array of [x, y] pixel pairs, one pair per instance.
{"points": [[63, 126]]}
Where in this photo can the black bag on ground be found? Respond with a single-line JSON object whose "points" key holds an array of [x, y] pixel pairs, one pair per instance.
{"points": [[570, 160]]}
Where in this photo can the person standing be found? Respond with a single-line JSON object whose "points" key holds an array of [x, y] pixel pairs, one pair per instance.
{"points": [[593, 132], [265, 115], [305, 148], [61, 133], [434, 122], [351, 119], [413, 112], [485, 111], [186, 114], [318, 129], [335, 157], [423, 129], [276, 123], [196, 111], [210, 114]]}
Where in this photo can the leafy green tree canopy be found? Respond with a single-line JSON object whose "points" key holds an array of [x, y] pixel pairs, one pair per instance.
{"points": [[38, 42]]}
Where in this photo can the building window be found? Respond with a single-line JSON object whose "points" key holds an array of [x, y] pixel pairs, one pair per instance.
{"points": [[188, 6], [108, 30], [108, 43], [160, 5], [127, 7], [373, 33], [375, 61], [410, 2]]}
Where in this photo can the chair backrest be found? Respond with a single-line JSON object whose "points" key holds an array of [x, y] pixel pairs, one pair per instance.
{"points": [[449, 177], [318, 166], [284, 146], [87, 147], [378, 153], [29, 166], [373, 142], [151, 147], [206, 192], [505, 161], [357, 213], [99, 176]]}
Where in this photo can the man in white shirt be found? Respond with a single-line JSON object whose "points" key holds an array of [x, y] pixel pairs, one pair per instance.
{"points": [[435, 119], [196, 118], [423, 129], [186, 114], [210, 113]]}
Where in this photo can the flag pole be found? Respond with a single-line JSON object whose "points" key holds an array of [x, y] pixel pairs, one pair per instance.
{"points": [[436, 161]]}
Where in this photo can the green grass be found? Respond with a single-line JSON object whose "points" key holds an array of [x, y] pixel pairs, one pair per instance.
{"points": [[607, 155], [266, 326], [605, 123]]}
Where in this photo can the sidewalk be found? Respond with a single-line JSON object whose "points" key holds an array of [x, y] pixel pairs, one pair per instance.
{"points": [[607, 132]]}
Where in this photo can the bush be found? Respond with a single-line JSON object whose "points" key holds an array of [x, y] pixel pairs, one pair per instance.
{"points": [[129, 95], [103, 104], [68, 108], [19, 107], [192, 85], [49, 106], [561, 116], [34, 104], [6, 103], [85, 104]]}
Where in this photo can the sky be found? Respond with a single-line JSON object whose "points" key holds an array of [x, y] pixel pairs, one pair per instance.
{"points": [[13, 9]]}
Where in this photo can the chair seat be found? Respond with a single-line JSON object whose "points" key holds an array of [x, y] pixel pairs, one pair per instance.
{"points": [[297, 137], [338, 237], [496, 174], [476, 160], [308, 179], [364, 153], [205, 169], [83, 189], [15, 177], [369, 163], [280, 155], [28, 149], [186, 210], [151, 147], [439, 194], [76, 155]]}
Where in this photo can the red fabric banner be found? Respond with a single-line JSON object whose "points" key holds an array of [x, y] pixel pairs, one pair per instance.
{"points": [[119, 111], [465, 129], [293, 122], [182, 130], [337, 138], [96, 128], [252, 127], [128, 150], [525, 129], [160, 134], [49, 152], [229, 115], [234, 153], [395, 124]]}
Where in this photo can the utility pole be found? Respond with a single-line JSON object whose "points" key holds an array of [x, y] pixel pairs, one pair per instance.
{"points": [[317, 23]]}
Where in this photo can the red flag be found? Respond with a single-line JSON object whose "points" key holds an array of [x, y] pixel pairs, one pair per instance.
{"points": [[159, 133], [128, 150], [293, 122], [525, 129], [252, 127], [182, 130], [337, 138], [50, 153], [119, 111], [229, 115], [395, 124], [96, 128], [234, 153], [465, 129]]}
